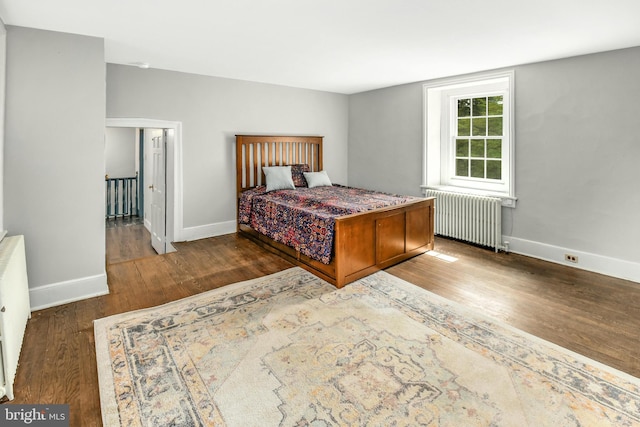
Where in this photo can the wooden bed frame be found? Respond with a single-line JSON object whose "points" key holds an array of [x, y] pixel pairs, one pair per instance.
{"points": [[363, 243]]}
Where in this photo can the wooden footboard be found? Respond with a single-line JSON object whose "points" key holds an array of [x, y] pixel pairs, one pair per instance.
{"points": [[366, 242]]}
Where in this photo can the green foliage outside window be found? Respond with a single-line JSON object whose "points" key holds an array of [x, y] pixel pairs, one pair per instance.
{"points": [[478, 140]]}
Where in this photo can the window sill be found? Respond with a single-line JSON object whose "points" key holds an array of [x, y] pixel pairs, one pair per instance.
{"points": [[507, 201]]}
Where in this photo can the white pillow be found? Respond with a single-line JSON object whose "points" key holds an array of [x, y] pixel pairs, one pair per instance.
{"points": [[278, 178], [317, 179]]}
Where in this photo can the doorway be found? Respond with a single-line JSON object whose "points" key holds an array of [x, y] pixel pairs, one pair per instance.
{"points": [[167, 139], [126, 236]]}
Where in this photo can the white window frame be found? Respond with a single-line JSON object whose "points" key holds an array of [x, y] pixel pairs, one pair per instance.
{"points": [[439, 129]]}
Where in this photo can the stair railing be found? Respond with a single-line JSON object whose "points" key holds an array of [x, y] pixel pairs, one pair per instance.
{"points": [[121, 196]]}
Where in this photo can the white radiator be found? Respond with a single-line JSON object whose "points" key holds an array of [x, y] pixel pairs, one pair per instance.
{"points": [[14, 309], [469, 217]]}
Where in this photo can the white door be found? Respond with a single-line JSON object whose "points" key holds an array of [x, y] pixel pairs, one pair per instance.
{"points": [[158, 193]]}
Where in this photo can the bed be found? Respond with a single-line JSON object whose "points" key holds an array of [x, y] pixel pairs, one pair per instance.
{"points": [[368, 239]]}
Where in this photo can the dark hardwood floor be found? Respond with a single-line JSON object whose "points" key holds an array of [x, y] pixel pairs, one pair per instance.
{"points": [[127, 239], [591, 314], [595, 315]]}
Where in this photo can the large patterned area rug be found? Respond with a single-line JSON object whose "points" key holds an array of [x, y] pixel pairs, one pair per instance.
{"points": [[291, 350]]}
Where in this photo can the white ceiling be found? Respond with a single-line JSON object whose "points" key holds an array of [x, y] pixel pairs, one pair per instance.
{"points": [[344, 46]]}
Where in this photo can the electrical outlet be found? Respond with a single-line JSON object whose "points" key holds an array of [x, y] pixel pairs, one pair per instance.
{"points": [[571, 258]]}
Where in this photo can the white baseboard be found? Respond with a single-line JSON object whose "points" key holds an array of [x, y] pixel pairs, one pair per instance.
{"points": [[46, 296], [209, 230], [586, 261]]}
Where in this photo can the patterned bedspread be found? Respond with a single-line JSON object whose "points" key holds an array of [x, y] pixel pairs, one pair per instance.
{"points": [[304, 218]]}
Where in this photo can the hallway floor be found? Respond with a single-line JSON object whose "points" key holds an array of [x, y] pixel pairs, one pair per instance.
{"points": [[127, 239]]}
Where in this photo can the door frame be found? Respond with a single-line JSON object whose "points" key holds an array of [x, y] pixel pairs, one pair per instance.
{"points": [[174, 214]]}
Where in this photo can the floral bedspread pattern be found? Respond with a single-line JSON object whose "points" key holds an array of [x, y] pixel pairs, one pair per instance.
{"points": [[304, 218]]}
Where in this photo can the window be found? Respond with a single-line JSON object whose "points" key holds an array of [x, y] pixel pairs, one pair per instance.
{"points": [[468, 136], [478, 137]]}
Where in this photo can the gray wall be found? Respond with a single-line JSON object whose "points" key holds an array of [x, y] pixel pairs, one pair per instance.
{"points": [[3, 57], [120, 152], [54, 153], [576, 147], [577, 152], [212, 111], [385, 139]]}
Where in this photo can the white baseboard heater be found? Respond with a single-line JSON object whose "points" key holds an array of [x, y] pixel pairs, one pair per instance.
{"points": [[15, 309], [468, 217]]}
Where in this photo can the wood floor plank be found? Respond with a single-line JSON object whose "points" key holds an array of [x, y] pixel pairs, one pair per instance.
{"points": [[594, 315], [28, 374], [130, 239]]}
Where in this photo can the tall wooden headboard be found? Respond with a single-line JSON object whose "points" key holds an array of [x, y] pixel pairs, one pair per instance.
{"points": [[255, 151]]}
